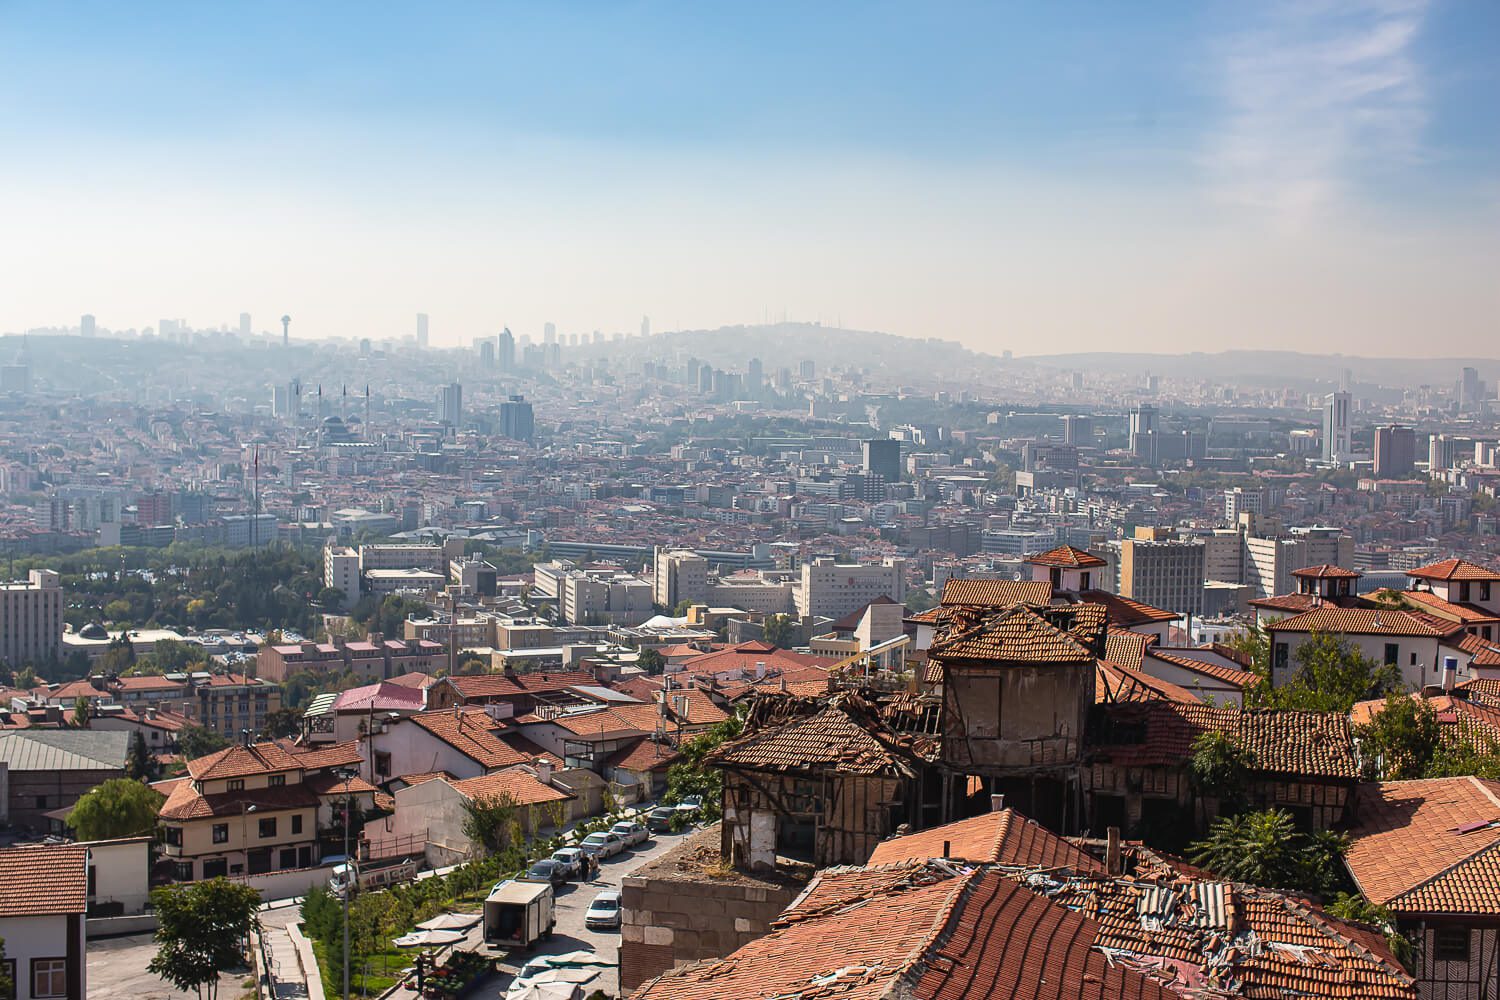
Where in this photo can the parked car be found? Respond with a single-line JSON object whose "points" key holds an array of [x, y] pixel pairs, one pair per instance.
{"points": [[546, 871], [571, 859], [659, 820], [602, 845], [690, 805], [604, 911], [632, 833]]}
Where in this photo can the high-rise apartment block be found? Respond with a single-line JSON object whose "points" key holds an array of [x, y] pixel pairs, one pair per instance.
{"points": [[1160, 569], [882, 457], [1338, 439], [830, 589], [517, 421], [421, 329], [1395, 452], [453, 405], [31, 619]]}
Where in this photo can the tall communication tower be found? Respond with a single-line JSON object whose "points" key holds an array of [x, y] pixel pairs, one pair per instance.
{"points": [[286, 322]]}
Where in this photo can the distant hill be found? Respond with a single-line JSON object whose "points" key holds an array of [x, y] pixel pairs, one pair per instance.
{"points": [[1289, 366]]}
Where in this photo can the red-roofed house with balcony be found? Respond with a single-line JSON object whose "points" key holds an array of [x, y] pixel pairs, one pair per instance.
{"points": [[432, 811], [465, 742], [1410, 640], [257, 808]]}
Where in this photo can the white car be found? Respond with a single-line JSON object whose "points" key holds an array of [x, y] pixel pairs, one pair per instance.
{"points": [[571, 858], [602, 845], [690, 805], [604, 911], [632, 833]]}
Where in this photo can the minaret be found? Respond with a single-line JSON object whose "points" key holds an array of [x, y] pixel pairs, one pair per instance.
{"points": [[286, 322]]}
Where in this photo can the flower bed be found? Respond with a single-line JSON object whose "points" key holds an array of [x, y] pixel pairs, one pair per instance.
{"points": [[459, 972]]}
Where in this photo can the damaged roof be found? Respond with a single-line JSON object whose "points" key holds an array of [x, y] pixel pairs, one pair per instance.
{"points": [[844, 734], [1022, 634]]}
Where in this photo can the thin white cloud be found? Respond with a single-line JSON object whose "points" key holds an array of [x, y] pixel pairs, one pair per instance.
{"points": [[1318, 93]]}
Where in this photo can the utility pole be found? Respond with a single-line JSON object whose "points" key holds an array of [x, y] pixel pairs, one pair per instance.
{"points": [[349, 883]]}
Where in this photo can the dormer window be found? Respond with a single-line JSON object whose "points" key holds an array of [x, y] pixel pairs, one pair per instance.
{"points": [[236, 784], [276, 780]]}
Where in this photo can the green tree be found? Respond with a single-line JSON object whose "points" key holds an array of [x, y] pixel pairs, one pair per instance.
{"points": [[119, 807], [7, 984], [680, 609], [1220, 768], [491, 822], [196, 741], [780, 630], [1401, 740], [1331, 676], [651, 661], [202, 929], [1266, 849], [140, 764], [694, 775], [919, 600], [118, 655], [1357, 909], [81, 712], [283, 723]]}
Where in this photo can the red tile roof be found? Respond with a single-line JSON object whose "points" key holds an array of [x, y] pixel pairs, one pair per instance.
{"points": [[1302, 744], [240, 761], [1453, 569], [43, 880], [1125, 647], [472, 687], [1005, 836], [1432, 604], [997, 593], [643, 755], [1113, 682], [1020, 635], [1429, 846], [1125, 611], [187, 803], [1233, 676], [1365, 621], [472, 733], [1326, 571], [844, 736], [521, 787], [1067, 557]]}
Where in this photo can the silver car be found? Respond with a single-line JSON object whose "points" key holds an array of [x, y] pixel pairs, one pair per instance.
{"points": [[604, 911], [602, 845], [632, 833]]}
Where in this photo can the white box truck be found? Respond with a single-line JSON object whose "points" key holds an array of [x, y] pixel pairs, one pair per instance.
{"points": [[518, 914]]}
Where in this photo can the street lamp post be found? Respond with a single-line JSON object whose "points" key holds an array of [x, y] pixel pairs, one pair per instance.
{"points": [[349, 870]]}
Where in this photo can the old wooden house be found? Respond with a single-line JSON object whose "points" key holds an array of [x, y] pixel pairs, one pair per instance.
{"points": [[821, 781], [1137, 772], [1017, 684]]}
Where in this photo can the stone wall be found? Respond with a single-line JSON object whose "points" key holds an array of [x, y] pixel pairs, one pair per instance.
{"points": [[681, 908]]}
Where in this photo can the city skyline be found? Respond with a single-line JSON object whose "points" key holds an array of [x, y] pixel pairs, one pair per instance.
{"points": [[1192, 179]]}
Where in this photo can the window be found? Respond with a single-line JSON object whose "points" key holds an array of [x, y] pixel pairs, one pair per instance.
{"points": [[221, 833], [1414, 659], [1392, 654], [276, 780], [41, 801], [215, 868], [288, 859], [49, 977], [1450, 944], [297, 823], [1282, 655], [237, 784], [183, 871], [268, 828], [174, 837], [1463, 591]]}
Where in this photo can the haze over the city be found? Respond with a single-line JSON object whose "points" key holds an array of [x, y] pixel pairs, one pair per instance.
{"points": [[1317, 176]]}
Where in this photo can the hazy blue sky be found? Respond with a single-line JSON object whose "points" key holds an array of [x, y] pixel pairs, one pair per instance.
{"points": [[1162, 176]]}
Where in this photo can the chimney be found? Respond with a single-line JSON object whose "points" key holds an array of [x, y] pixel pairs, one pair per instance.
{"points": [[1112, 850], [760, 670], [543, 770], [1450, 672], [150, 713], [997, 803], [947, 848]]}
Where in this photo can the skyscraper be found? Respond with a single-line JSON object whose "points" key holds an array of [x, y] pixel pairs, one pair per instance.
{"points": [[86, 325], [1337, 439], [645, 326], [882, 457], [506, 354], [453, 405], [487, 354], [1143, 433], [549, 333], [422, 330], [1470, 389], [1395, 451], [244, 324], [517, 421]]}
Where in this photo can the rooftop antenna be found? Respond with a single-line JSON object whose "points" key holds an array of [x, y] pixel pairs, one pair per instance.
{"points": [[286, 339]]}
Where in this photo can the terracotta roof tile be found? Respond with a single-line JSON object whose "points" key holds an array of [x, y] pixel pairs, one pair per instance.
{"points": [[997, 593], [43, 880], [1234, 676], [1113, 682], [845, 736], [1303, 744], [521, 786], [1125, 647], [1005, 836], [1021, 635], [1365, 621], [1454, 569], [1067, 557], [1125, 611], [1428, 846], [187, 803], [472, 733], [1326, 571]]}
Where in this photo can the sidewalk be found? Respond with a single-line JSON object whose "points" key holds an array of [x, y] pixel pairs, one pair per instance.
{"points": [[286, 974]]}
